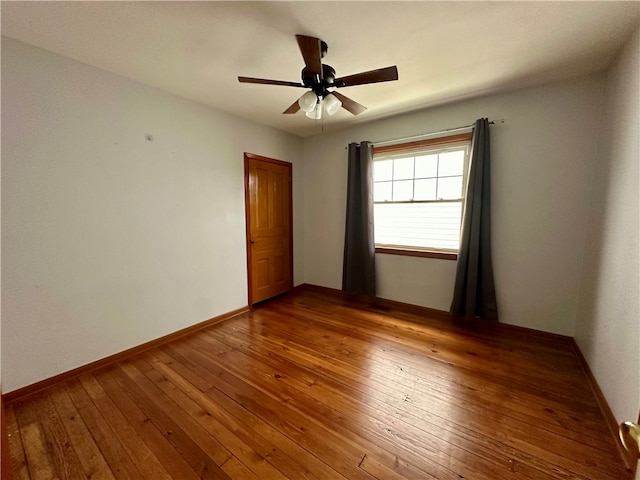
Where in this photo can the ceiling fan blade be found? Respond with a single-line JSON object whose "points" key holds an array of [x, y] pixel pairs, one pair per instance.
{"points": [[264, 81], [372, 76], [311, 50], [350, 105], [293, 108]]}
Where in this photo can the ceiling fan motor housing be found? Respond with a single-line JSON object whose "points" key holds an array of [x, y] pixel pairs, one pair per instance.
{"points": [[319, 86]]}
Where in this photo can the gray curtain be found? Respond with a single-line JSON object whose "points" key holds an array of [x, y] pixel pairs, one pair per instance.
{"points": [[358, 268], [474, 293]]}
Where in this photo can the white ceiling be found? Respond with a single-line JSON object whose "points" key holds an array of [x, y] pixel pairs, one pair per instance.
{"points": [[445, 51]]}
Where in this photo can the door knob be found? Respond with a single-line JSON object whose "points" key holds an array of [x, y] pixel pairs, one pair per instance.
{"points": [[630, 437]]}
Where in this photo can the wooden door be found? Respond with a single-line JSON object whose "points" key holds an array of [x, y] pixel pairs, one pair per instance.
{"points": [[268, 199]]}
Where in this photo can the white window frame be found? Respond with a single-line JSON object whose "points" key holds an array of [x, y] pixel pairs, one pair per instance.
{"points": [[412, 149]]}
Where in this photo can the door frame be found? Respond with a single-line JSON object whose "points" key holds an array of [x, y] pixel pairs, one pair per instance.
{"points": [[247, 216]]}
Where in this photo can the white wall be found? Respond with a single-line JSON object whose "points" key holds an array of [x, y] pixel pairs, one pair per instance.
{"points": [[109, 240], [542, 159], [608, 327]]}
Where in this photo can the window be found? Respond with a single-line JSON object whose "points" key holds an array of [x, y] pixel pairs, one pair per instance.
{"points": [[418, 195]]}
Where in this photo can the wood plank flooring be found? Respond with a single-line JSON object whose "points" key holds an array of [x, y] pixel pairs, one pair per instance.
{"points": [[311, 386]]}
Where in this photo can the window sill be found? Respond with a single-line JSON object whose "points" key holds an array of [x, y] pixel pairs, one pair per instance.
{"points": [[418, 253]]}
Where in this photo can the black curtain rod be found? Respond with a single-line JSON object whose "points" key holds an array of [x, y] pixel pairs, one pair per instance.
{"points": [[465, 127]]}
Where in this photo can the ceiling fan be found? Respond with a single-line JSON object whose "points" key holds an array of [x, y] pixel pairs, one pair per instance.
{"points": [[320, 77]]}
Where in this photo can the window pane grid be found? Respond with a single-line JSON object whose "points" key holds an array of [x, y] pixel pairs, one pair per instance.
{"points": [[399, 173]]}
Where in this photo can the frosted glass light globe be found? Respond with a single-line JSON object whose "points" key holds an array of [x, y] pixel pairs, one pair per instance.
{"points": [[308, 101]]}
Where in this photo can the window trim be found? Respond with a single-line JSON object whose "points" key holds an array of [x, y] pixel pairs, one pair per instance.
{"points": [[412, 252], [408, 147], [420, 144]]}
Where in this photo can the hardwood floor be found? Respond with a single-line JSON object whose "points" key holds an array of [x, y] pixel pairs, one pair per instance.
{"points": [[310, 386]]}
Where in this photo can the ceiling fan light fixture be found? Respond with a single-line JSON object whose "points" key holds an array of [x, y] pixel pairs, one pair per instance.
{"points": [[316, 113], [331, 104], [308, 101]]}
